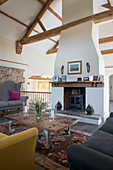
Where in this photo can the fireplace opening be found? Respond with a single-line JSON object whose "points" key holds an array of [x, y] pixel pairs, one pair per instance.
{"points": [[74, 98]]}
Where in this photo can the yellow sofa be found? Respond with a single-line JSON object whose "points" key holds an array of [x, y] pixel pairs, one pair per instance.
{"points": [[17, 152]]}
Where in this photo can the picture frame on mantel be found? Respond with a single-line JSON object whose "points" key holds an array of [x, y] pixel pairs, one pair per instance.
{"points": [[74, 67]]}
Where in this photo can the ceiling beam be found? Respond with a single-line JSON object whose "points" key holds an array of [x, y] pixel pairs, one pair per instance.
{"points": [[108, 5], [51, 10], [105, 52], [108, 1], [56, 45], [42, 26], [109, 67], [54, 49], [2, 2], [103, 20], [37, 18], [57, 31], [18, 21], [39, 78], [105, 40]]}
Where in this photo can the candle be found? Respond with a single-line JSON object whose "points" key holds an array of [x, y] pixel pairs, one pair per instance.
{"points": [[52, 113], [25, 109]]}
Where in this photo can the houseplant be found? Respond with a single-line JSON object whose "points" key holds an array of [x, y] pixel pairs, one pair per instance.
{"points": [[39, 105]]}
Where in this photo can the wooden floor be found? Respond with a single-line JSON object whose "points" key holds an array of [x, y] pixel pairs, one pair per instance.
{"points": [[85, 127]]}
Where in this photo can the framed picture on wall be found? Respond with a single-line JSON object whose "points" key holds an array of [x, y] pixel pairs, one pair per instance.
{"points": [[74, 67], [63, 78], [56, 78]]}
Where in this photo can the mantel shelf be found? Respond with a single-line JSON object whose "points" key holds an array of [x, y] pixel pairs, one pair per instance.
{"points": [[78, 84]]}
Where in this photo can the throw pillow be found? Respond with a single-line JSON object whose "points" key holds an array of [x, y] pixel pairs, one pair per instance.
{"points": [[14, 95]]}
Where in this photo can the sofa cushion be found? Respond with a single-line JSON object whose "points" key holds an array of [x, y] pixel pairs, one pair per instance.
{"points": [[3, 104], [15, 103], [102, 142], [107, 126], [1, 92]]}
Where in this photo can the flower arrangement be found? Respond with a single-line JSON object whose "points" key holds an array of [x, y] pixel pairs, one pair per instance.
{"points": [[38, 106]]}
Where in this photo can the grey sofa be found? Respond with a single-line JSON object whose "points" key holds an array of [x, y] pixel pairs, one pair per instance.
{"points": [[4, 96], [96, 153]]}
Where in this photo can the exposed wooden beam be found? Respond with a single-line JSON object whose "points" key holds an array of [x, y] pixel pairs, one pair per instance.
{"points": [[37, 18], [2, 2], [39, 78], [51, 10], [42, 2], [57, 31], [54, 13], [108, 1], [56, 45], [109, 67], [18, 48], [13, 62], [14, 19], [105, 40], [54, 49], [42, 26], [108, 5], [103, 20], [105, 52], [18, 21]]}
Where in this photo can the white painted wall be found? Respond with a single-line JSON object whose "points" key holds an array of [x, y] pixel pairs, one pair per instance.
{"points": [[111, 87], [94, 97], [106, 31], [57, 95], [39, 63], [79, 42]]}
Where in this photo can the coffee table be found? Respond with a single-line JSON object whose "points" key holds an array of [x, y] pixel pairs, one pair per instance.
{"points": [[60, 123]]}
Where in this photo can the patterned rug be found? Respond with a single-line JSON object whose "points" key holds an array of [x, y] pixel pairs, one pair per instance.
{"points": [[60, 143]]}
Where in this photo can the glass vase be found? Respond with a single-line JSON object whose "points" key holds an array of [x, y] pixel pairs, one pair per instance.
{"points": [[38, 113]]}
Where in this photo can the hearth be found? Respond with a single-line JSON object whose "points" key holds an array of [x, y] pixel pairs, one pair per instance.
{"points": [[74, 98]]}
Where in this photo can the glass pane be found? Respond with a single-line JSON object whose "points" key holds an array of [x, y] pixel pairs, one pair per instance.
{"points": [[72, 100], [77, 100]]}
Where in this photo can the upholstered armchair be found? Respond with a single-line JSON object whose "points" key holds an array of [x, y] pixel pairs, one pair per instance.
{"points": [[4, 96], [17, 152]]}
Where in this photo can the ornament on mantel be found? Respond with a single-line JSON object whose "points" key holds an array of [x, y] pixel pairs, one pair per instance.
{"points": [[89, 110], [58, 106], [88, 67]]}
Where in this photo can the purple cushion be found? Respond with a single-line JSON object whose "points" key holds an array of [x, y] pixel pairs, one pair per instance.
{"points": [[14, 95]]}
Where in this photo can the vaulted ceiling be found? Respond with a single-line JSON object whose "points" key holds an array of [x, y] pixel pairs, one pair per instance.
{"points": [[19, 17], [25, 11]]}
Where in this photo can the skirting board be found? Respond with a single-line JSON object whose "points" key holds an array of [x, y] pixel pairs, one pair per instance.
{"points": [[106, 116], [84, 120]]}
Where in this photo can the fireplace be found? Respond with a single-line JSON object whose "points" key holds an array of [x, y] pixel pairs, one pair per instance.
{"points": [[76, 101], [74, 98]]}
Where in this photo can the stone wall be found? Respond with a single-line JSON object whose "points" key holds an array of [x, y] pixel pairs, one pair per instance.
{"points": [[13, 74]]}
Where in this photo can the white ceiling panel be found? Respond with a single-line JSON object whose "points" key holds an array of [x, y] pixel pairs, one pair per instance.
{"points": [[57, 6], [50, 21], [24, 10], [106, 30], [106, 46], [44, 45], [10, 29]]}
